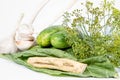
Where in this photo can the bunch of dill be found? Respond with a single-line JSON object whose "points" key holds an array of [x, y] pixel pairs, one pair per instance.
{"points": [[96, 32]]}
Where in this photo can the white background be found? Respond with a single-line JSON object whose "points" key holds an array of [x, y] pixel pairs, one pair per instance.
{"points": [[10, 10]]}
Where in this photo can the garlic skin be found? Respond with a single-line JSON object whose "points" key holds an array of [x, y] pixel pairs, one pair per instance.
{"points": [[7, 45], [24, 37]]}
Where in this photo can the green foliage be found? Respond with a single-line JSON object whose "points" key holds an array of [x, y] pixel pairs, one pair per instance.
{"points": [[98, 67], [94, 31]]}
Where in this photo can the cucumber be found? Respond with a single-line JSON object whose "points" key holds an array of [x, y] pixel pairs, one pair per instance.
{"points": [[58, 40], [43, 39]]}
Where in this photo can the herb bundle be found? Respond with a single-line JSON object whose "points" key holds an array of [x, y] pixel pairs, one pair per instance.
{"points": [[96, 32]]}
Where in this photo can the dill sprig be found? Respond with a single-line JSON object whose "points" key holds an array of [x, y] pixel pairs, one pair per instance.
{"points": [[95, 32]]}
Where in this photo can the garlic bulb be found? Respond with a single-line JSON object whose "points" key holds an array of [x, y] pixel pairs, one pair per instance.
{"points": [[24, 33], [23, 37]]}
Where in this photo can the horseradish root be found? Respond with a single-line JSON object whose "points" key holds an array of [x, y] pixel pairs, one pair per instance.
{"points": [[57, 63]]}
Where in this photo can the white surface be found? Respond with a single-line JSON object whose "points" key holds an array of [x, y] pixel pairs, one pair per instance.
{"points": [[10, 10]]}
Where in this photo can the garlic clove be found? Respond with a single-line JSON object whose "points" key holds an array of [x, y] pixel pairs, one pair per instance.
{"points": [[24, 45]]}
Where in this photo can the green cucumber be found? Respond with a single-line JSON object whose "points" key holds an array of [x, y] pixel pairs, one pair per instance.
{"points": [[58, 40], [43, 39]]}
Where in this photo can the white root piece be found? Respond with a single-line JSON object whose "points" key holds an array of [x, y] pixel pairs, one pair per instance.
{"points": [[57, 63], [24, 33]]}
